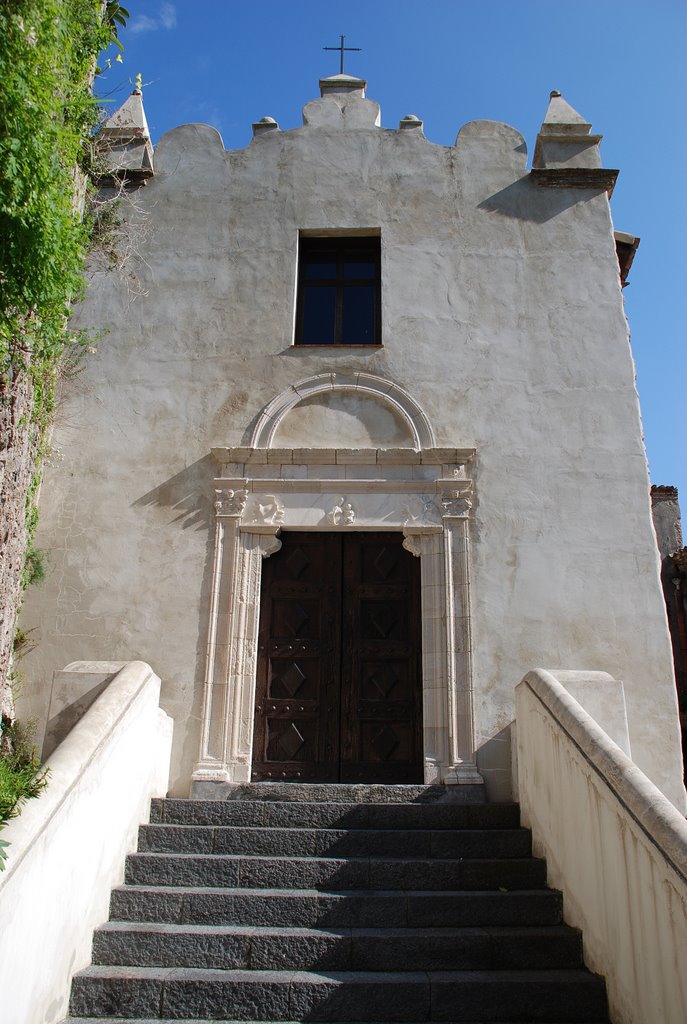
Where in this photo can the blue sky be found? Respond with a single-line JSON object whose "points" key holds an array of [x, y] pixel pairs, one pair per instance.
{"points": [[623, 66]]}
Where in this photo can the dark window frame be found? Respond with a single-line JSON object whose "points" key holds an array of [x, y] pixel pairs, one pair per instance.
{"points": [[313, 251]]}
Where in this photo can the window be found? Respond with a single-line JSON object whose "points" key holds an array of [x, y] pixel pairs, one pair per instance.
{"points": [[339, 291]]}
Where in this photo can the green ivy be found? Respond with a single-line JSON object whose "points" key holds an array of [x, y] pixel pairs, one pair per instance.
{"points": [[47, 114], [48, 50]]}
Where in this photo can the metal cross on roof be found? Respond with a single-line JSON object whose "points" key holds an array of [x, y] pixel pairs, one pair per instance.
{"points": [[342, 49]]}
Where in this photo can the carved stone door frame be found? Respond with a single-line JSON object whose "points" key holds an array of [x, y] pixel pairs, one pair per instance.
{"points": [[427, 495]]}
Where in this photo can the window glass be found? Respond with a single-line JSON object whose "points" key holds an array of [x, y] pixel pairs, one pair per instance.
{"points": [[338, 291], [318, 316], [319, 268], [359, 265], [358, 326]]}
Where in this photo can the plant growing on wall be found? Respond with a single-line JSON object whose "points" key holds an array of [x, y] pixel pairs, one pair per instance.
{"points": [[48, 50], [21, 775]]}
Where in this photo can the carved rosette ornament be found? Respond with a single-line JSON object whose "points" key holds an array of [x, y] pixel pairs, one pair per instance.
{"points": [[230, 503], [455, 503]]}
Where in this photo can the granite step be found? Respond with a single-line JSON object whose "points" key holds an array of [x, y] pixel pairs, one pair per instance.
{"points": [[339, 873], [226, 1020], [332, 814], [187, 993], [331, 842], [341, 793], [351, 949], [309, 908], [320, 904]]}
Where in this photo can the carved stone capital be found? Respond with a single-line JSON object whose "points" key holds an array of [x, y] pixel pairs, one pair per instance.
{"points": [[455, 503], [230, 503]]}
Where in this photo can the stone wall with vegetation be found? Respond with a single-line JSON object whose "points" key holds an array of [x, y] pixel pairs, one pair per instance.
{"points": [[48, 50], [17, 461]]}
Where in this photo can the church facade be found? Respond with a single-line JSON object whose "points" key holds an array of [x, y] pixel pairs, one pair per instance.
{"points": [[361, 446]]}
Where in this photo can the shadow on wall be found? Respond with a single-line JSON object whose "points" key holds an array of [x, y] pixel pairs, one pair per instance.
{"points": [[187, 497], [63, 721], [523, 200], [494, 761]]}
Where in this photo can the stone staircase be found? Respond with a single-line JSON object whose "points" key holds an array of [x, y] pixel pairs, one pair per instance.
{"points": [[295, 902]]}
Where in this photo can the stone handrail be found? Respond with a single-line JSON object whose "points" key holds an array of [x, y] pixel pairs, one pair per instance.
{"points": [[68, 846], [614, 845]]}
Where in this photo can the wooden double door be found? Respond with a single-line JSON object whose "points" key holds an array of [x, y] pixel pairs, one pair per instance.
{"points": [[339, 685]]}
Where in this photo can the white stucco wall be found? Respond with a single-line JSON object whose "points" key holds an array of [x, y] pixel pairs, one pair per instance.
{"points": [[613, 844], [502, 316], [67, 848]]}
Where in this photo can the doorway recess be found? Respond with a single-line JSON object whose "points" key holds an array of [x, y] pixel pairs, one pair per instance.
{"points": [[339, 687]]}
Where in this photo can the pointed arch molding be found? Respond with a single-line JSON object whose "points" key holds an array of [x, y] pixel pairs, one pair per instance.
{"points": [[384, 391]]}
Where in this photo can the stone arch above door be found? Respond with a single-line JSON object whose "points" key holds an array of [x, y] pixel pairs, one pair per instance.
{"points": [[337, 396]]}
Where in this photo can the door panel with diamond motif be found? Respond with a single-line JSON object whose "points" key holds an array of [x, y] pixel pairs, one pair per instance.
{"points": [[339, 679]]}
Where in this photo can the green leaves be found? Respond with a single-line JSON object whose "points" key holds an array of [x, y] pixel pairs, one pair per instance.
{"points": [[47, 112], [22, 776], [3, 853], [116, 17]]}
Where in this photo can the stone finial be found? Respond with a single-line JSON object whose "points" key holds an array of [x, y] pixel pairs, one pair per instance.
{"points": [[124, 143], [410, 121], [567, 155], [342, 84], [264, 125], [561, 118], [130, 120]]}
